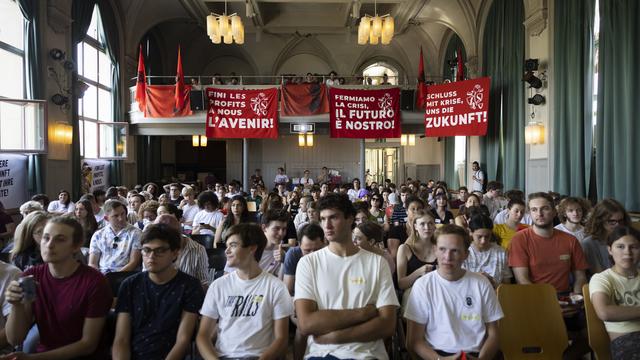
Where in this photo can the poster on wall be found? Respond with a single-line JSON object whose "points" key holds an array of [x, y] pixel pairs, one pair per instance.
{"points": [[242, 113], [95, 175], [13, 180], [365, 114], [457, 109]]}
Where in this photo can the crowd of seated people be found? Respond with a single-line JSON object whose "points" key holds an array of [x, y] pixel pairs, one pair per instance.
{"points": [[343, 264]]}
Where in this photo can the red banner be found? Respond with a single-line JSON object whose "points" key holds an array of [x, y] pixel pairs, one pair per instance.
{"points": [[457, 109], [304, 99], [160, 101], [365, 114], [242, 113]]}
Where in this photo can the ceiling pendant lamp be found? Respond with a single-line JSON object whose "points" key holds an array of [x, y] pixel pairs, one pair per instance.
{"points": [[225, 28], [376, 28]]}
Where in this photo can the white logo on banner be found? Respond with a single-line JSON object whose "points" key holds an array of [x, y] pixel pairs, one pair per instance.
{"points": [[259, 104], [475, 96], [385, 102]]}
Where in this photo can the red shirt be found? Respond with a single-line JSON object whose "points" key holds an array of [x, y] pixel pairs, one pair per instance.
{"points": [[550, 260], [61, 305]]}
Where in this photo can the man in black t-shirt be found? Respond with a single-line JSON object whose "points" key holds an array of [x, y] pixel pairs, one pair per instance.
{"points": [[157, 309]]}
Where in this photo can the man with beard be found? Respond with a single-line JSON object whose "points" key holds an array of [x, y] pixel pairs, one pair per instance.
{"points": [[542, 254]]}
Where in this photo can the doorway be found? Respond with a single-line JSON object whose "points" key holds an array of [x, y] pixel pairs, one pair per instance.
{"points": [[382, 163]]}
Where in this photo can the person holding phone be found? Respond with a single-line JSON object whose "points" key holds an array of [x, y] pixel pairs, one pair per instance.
{"points": [[71, 299]]}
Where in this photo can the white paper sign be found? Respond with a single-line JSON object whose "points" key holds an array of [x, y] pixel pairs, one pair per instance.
{"points": [[13, 180]]}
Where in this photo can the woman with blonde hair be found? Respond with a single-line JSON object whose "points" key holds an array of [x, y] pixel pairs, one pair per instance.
{"points": [[416, 256], [26, 242]]}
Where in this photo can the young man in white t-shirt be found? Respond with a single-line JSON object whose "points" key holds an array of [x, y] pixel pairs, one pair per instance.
{"points": [[452, 310], [344, 296], [246, 313]]}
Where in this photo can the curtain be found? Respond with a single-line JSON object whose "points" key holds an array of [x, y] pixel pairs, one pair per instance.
{"points": [[149, 149], [502, 149], [109, 32], [33, 76], [573, 81], [450, 161], [81, 11], [617, 130], [455, 43]]}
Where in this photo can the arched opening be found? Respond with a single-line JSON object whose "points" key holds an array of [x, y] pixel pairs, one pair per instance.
{"points": [[375, 73]]}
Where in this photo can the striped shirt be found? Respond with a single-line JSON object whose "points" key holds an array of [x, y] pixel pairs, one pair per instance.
{"points": [[193, 260]]}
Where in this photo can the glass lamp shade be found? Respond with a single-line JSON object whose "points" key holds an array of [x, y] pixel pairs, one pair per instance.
{"points": [[389, 26], [224, 24], [373, 39], [376, 26], [236, 26]]}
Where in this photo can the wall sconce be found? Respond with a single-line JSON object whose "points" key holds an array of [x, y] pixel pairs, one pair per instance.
{"points": [[534, 133], [199, 140], [305, 140], [62, 133], [408, 140]]}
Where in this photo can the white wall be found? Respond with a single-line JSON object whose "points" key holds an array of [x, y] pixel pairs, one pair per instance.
{"points": [[539, 168]]}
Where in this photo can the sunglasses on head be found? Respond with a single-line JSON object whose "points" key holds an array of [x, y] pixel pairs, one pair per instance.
{"points": [[115, 242]]}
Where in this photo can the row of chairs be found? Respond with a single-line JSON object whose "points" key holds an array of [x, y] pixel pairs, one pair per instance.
{"points": [[533, 327]]}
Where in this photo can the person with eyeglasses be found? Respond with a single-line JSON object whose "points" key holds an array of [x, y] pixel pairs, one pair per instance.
{"points": [[158, 308], [245, 314], [115, 247], [377, 213], [606, 215]]}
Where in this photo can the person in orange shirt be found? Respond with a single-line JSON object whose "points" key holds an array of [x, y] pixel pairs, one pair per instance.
{"points": [[542, 254]]}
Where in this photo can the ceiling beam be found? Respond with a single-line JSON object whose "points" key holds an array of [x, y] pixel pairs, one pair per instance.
{"points": [[257, 19], [196, 9], [406, 11]]}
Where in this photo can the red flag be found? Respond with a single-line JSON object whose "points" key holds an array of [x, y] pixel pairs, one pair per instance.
{"points": [[179, 84], [460, 72], [420, 90], [141, 83]]}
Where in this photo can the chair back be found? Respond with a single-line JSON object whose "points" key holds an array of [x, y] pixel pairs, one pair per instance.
{"points": [[532, 326], [599, 340], [116, 278], [205, 240], [217, 259], [217, 262]]}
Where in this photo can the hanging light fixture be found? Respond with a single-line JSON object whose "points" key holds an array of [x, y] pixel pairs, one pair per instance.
{"points": [[376, 28], [225, 28], [199, 141], [408, 140], [305, 139]]}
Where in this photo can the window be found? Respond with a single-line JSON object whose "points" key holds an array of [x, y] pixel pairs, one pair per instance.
{"points": [[22, 121], [375, 73], [460, 159], [11, 50], [95, 107]]}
